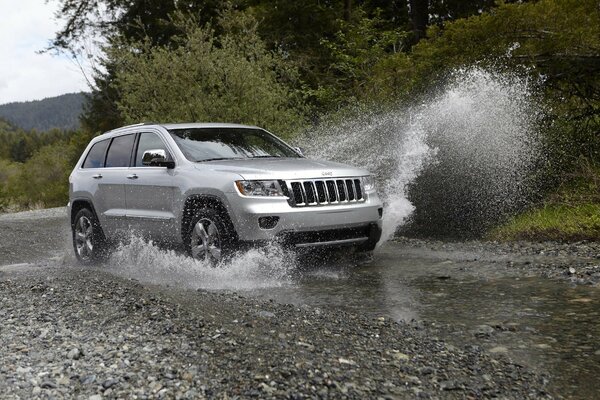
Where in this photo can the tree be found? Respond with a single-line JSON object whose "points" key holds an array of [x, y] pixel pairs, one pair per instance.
{"points": [[419, 16], [227, 78], [130, 20]]}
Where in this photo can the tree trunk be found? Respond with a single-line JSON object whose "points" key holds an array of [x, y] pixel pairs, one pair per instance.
{"points": [[347, 10], [419, 16]]}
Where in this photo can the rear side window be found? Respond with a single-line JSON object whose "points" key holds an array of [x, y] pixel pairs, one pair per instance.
{"points": [[119, 152], [95, 158]]}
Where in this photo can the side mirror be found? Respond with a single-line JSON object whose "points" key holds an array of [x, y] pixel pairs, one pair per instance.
{"points": [[157, 158], [299, 151]]}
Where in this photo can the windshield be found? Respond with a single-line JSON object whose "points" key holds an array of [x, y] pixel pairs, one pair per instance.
{"points": [[206, 144]]}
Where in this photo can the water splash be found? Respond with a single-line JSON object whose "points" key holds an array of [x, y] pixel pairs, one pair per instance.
{"points": [[455, 164], [253, 269]]}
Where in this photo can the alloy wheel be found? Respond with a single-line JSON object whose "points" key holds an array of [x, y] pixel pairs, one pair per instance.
{"points": [[83, 238], [206, 241]]}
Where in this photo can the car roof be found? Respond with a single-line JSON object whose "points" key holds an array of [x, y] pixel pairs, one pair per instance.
{"points": [[192, 125], [186, 125]]}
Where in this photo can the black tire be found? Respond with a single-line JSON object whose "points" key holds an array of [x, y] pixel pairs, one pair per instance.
{"points": [[212, 249], [89, 243]]}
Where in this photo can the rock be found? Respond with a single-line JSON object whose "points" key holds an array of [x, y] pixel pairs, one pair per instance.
{"points": [[483, 331], [451, 385], [265, 314], [95, 397], [107, 384], [346, 361], [74, 354], [401, 356], [21, 370], [48, 385], [87, 380], [498, 349]]}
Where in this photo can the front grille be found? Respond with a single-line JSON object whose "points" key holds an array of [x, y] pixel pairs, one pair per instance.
{"points": [[319, 192]]}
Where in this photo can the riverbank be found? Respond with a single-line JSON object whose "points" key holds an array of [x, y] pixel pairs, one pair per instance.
{"points": [[577, 262], [570, 214], [74, 332]]}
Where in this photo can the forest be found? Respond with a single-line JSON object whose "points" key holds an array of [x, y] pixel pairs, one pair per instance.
{"points": [[60, 112], [287, 65]]}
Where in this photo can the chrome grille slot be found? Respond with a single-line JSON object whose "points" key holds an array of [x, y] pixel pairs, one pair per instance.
{"points": [[317, 192], [341, 187], [309, 190], [332, 191], [350, 188], [298, 193], [358, 189], [321, 194]]}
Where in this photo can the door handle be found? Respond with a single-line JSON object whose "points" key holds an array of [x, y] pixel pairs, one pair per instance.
{"points": [[132, 176], [97, 176]]}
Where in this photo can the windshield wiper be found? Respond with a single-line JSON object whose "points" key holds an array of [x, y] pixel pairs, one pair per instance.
{"points": [[266, 157], [220, 158]]}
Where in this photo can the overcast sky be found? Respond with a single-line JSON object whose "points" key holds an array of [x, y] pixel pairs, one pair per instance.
{"points": [[25, 27]]}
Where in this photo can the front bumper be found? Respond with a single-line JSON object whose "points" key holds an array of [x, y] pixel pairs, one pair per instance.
{"points": [[349, 224]]}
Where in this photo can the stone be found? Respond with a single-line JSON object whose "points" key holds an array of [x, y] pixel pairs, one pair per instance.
{"points": [[265, 314], [74, 354], [498, 349]]}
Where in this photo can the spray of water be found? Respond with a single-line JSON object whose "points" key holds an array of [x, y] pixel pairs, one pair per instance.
{"points": [[454, 164], [253, 269], [457, 162]]}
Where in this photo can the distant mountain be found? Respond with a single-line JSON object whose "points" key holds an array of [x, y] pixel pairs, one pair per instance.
{"points": [[53, 112]]}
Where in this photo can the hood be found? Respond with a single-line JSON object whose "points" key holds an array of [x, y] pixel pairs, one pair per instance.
{"points": [[283, 168]]}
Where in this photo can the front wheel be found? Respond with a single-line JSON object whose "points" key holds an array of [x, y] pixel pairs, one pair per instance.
{"points": [[211, 238], [88, 239]]}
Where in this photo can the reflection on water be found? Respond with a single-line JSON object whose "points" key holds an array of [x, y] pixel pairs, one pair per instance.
{"points": [[541, 323]]}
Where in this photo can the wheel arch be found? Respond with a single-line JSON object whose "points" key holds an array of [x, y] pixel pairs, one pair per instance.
{"points": [[79, 204], [198, 201]]}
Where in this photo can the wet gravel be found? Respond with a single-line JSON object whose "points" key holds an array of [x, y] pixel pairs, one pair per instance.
{"points": [[576, 262], [70, 332]]}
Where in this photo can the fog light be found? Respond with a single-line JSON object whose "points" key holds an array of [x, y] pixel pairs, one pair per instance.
{"points": [[380, 210], [268, 222]]}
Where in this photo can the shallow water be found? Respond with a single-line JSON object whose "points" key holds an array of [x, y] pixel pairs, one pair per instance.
{"points": [[546, 324]]}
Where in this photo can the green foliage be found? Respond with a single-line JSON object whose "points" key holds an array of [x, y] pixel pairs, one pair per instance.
{"points": [[18, 145], [230, 78], [354, 51], [275, 62], [557, 42], [572, 212], [553, 222], [41, 179]]}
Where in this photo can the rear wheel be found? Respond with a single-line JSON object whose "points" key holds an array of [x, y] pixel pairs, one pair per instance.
{"points": [[88, 239], [211, 236]]}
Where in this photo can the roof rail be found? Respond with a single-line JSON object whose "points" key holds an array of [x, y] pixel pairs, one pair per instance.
{"points": [[133, 125]]}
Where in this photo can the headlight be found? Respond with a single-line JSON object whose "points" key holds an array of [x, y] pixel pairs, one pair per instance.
{"points": [[259, 188], [368, 183]]}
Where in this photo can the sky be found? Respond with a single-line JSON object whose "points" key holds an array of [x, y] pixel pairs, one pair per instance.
{"points": [[26, 26]]}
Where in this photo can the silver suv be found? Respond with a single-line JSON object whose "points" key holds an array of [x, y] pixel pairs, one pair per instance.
{"points": [[213, 188]]}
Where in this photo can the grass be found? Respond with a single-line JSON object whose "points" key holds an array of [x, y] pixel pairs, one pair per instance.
{"points": [[571, 213], [553, 222]]}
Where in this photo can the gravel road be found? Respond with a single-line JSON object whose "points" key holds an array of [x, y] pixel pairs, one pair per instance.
{"points": [[70, 332]]}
